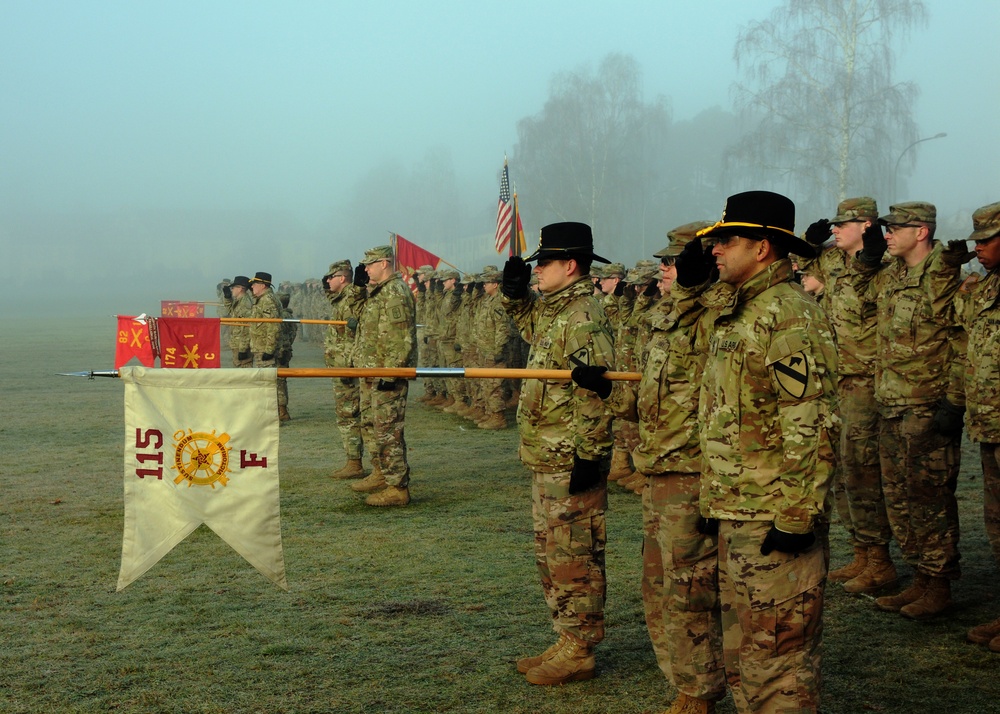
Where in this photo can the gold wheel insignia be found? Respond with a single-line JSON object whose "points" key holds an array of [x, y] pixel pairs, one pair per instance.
{"points": [[201, 459]]}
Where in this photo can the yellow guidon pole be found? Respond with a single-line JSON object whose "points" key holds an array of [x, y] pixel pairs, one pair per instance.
{"points": [[411, 373]]}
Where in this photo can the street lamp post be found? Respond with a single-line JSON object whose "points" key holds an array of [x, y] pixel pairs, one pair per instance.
{"points": [[895, 173]]}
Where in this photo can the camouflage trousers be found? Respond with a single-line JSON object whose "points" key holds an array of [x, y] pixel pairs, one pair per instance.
{"points": [[454, 386], [491, 390], [990, 455], [680, 588], [772, 619], [260, 362], [429, 358], [858, 478], [237, 362], [570, 539], [347, 408], [919, 476], [382, 415]]}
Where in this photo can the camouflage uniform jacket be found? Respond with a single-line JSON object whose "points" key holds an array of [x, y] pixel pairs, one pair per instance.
{"points": [[979, 310], [493, 328], [768, 408], [853, 315], [287, 332], [557, 420], [264, 335], [449, 313], [666, 401], [239, 335], [387, 326], [339, 342], [921, 347]]}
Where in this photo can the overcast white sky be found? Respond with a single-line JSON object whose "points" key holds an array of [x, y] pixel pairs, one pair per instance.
{"points": [[180, 104]]}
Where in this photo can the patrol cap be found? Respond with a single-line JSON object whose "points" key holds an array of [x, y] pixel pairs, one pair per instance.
{"points": [[448, 274], [911, 212], [241, 281], [862, 208], [491, 276], [261, 277], [337, 268], [643, 272], [613, 270], [469, 278], [563, 241], [424, 272], [680, 237], [373, 255], [986, 222]]}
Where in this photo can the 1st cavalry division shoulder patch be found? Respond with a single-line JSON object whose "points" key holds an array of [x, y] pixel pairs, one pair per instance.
{"points": [[792, 373]]}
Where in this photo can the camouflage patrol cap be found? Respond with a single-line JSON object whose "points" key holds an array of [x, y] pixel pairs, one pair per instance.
{"points": [[986, 222], [613, 270], [337, 268], [680, 237], [911, 212], [448, 274], [643, 272], [862, 208], [373, 255], [424, 272], [491, 276], [469, 278]]}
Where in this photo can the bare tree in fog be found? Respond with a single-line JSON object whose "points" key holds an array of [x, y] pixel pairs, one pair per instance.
{"points": [[595, 151], [828, 118]]}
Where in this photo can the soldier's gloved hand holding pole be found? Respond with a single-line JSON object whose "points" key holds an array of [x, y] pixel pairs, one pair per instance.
{"points": [[516, 278], [873, 245], [786, 542], [949, 419], [585, 475], [592, 378]]}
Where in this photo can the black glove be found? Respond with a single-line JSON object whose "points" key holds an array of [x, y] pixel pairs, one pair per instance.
{"points": [[592, 378], [346, 381], [957, 254], [651, 289], [385, 385], [360, 276], [516, 278], [243, 356], [352, 323], [949, 419], [267, 356], [818, 233], [227, 292], [874, 244], [786, 542], [707, 526], [458, 347], [421, 288], [586, 474], [426, 338], [694, 265], [437, 286], [619, 288]]}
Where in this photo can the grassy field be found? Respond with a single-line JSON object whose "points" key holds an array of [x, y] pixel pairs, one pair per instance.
{"points": [[420, 609]]}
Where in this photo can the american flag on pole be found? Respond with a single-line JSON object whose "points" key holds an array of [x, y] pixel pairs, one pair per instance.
{"points": [[505, 211]]}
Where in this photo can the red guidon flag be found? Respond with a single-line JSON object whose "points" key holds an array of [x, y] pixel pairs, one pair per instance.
{"points": [[133, 341], [410, 256], [188, 342], [180, 308]]}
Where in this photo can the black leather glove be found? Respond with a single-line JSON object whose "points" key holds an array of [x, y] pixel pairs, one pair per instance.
{"points": [[786, 542], [346, 381], [592, 378], [586, 475], [874, 244], [352, 323], [243, 356], [651, 289], [360, 276], [227, 292], [949, 419], [818, 233], [267, 356], [619, 288], [426, 339], [516, 278], [957, 254], [458, 347], [385, 385], [707, 526], [421, 288], [437, 286], [694, 265]]}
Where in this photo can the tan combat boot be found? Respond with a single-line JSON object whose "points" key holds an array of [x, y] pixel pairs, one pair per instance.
{"points": [[620, 467], [936, 597], [448, 402], [690, 705], [879, 574], [390, 496], [453, 408], [852, 569], [352, 469], [526, 663], [494, 422], [984, 634], [476, 414], [893, 603], [372, 482], [573, 662]]}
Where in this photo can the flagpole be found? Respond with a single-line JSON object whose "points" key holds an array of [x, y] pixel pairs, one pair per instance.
{"points": [[246, 320], [392, 244], [410, 373]]}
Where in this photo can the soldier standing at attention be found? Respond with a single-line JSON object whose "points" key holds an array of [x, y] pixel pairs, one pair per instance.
{"points": [[239, 303], [980, 312], [286, 337], [768, 421], [858, 481], [264, 335], [387, 337], [565, 442], [493, 334], [919, 376], [344, 298]]}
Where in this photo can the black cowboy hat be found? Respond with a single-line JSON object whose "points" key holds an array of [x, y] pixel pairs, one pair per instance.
{"points": [[563, 241]]}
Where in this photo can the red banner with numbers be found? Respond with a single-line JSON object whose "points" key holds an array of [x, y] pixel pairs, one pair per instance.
{"points": [[181, 308], [188, 342], [133, 341]]}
